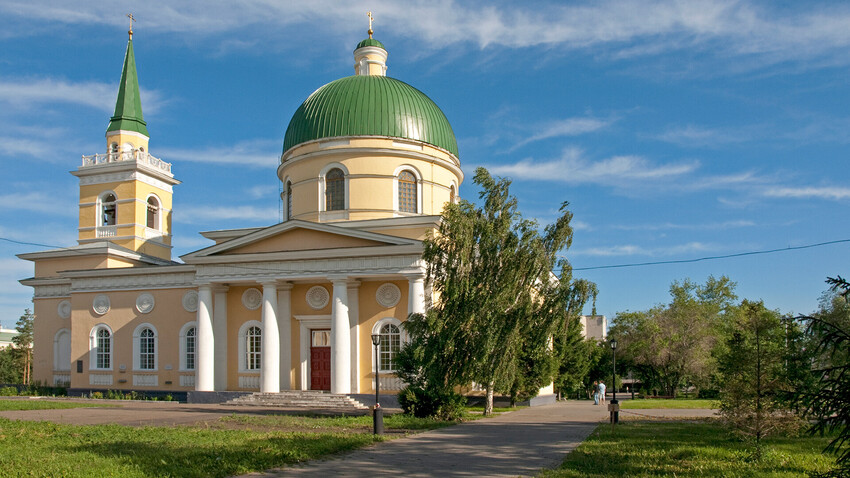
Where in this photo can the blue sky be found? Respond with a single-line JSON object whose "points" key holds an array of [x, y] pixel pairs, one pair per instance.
{"points": [[676, 130]]}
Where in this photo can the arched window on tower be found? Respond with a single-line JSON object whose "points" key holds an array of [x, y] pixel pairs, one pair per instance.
{"points": [[288, 200], [335, 190], [107, 210], [153, 213], [407, 200], [113, 152]]}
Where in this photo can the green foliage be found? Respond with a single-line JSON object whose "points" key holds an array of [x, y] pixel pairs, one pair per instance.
{"points": [[670, 345], [43, 404], [754, 376], [827, 402], [499, 304], [577, 359], [8, 391], [10, 370], [686, 450], [97, 395], [430, 403], [22, 344]]}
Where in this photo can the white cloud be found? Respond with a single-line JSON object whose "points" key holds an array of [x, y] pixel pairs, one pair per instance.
{"points": [[39, 202], [24, 93], [634, 250], [195, 214], [564, 127], [712, 226], [691, 135], [826, 192], [573, 168], [257, 153], [730, 29]]}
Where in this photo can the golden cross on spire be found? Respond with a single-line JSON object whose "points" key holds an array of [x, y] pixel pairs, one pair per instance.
{"points": [[369, 14], [132, 19]]}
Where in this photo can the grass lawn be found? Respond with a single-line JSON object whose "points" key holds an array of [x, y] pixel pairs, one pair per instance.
{"points": [[667, 403], [231, 445], [6, 405], [687, 449]]}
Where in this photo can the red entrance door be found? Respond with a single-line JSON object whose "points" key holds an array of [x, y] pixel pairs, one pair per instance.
{"points": [[320, 360]]}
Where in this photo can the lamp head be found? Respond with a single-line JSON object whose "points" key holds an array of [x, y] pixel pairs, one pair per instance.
{"points": [[613, 344], [376, 339]]}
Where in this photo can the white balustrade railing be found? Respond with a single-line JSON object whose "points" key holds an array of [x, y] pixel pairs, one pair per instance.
{"points": [[107, 231], [153, 234], [146, 380], [390, 382], [135, 155], [98, 379], [61, 379], [249, 381]]}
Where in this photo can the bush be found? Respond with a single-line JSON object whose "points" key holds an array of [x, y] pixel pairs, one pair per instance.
{"points": [[710, 393], [96, 395], [423, 403], [8, 391]]}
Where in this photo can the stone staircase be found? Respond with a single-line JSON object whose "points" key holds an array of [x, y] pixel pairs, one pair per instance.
{"points": [[303, 399]]}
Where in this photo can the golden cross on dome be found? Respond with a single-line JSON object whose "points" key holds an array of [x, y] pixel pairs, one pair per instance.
{"points": [[132, 19], [369, 14]]}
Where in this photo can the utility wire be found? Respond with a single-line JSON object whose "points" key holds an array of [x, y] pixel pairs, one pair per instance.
{"points": [[710, 258], [613, 266]]}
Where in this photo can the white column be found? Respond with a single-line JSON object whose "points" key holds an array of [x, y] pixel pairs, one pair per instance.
{"points": [[416, 294], [340, 339], [205, 360], [284, 320], [353, 322], [270, 358], [220, 334]]}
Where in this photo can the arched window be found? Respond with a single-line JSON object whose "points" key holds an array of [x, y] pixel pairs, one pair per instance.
{"points": [[391, 338], [288, 200], [253, 348], [113, 152], [153, 213], [452, 194], [190, 349], [62, 351], [147, 350], [144, 347], [100, 348], [188, 346], [335, 190], [407, 200], [107, 210]]}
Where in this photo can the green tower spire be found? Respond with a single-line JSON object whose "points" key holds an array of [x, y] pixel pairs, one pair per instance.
{"points": [[128, 107]]}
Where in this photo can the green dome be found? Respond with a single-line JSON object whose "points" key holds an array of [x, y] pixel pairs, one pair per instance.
{"points": [[370, 42], [370, 106]]}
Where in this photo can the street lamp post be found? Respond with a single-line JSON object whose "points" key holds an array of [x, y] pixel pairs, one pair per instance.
{"points": [[377, 412], [615, 405]]}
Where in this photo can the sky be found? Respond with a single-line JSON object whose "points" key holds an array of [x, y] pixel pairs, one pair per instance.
{"points": [[676, 130]]}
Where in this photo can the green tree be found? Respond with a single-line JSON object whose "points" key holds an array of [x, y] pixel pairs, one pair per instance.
{"points": [[577, 356], [670, 345], [754, 376], [499, 303], [10, 372], [827, 403], [23, 344]]}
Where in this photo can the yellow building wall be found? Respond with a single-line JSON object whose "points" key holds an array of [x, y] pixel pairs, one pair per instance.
{"points": [[45, 326], [238, 314], [370, 313]]}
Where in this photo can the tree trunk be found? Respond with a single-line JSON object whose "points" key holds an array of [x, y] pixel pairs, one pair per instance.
{"points": [[488, 403]]}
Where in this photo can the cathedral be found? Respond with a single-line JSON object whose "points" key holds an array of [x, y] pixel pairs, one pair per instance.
{"points": [[368, 163]]}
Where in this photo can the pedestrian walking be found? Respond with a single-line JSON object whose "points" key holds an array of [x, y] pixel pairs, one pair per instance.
{"points": [[595, 392], [601, 392]]}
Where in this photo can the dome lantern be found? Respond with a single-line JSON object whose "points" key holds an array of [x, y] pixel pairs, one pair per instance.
{"points": [[370, 56]]}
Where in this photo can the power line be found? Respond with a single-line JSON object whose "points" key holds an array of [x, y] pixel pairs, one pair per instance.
{"points": [[613, 266], [711, 258]]}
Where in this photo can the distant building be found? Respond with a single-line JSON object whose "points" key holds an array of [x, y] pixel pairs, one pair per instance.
{"points": [[594, 326], [6, 336]]}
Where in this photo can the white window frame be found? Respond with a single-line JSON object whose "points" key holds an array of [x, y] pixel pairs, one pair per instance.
{"points": [[100, 204], [418, 176], [93, 348], [339, 214], [454, 188], [243, 346], [59, 366], [184, 334], [376, 329], [137, 348], [158, 216]]}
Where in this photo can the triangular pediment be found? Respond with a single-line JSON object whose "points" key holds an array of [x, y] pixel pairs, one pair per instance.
{"points": [[300, 236]]}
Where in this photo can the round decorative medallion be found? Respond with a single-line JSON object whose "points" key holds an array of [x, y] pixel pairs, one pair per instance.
{"points": [[388, 295], [145, 302], [318, 297], [64, 309], [252, 299], [101, 304], [190, 301]]}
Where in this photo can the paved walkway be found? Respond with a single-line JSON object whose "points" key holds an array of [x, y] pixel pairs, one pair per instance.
{"points": [[519, 443]]}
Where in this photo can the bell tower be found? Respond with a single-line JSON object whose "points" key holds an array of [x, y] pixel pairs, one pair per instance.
{"points": [[125, 193]]}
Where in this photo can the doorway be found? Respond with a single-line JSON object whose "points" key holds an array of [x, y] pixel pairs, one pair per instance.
{"points": [[320, 359]]}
